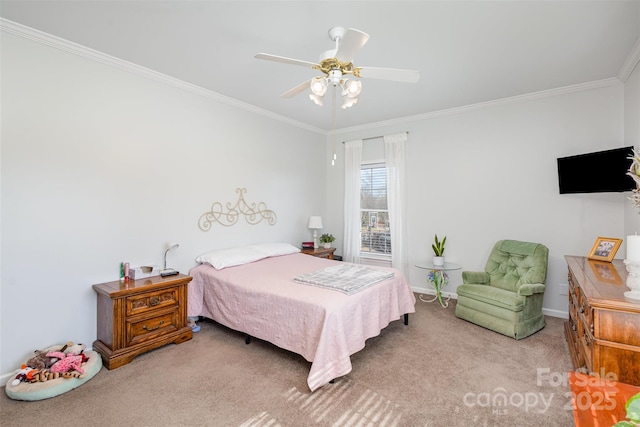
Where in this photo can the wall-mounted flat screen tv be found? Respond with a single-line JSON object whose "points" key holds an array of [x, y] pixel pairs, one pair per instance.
{"points": [[598, 172]]}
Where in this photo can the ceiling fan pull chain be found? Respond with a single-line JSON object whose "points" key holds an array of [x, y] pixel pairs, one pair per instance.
{"points": [[333, 124]]}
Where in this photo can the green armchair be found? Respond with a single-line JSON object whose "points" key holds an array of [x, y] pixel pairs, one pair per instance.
{"points": [[507, 296]]}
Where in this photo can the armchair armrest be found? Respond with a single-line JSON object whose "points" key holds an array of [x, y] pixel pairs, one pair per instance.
{"points": [[475, 277], [529, 289]]}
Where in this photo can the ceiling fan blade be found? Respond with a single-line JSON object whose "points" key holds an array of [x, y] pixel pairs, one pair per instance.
{"points": [[285, 60], [351, 43], [296, 90], [405, 76]]}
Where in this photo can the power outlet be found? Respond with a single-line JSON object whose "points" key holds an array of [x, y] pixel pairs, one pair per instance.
{"points": [[564, 289]]}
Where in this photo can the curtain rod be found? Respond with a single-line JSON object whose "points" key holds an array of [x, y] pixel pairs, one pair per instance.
{"points": [[374, 137]]}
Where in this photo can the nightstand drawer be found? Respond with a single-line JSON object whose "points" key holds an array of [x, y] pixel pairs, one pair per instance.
{"points": [[147, 328], [156, 300]]}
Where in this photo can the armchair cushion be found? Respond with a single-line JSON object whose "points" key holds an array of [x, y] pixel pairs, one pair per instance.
{"points": [[508, 270], [477, 277], [531, 288], [494, 296]]}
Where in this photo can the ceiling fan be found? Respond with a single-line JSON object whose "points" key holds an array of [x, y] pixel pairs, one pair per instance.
{"points": [[336, 64]]}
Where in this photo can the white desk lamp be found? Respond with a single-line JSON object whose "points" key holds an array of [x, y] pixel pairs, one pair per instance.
{"points": [[168, 271], [315, 223]]}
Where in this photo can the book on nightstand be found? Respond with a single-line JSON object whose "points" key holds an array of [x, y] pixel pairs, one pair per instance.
{"points": [[307, 245]]}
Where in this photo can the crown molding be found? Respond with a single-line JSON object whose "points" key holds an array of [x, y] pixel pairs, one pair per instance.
{"points": [[94, 55], [631, 63], [68, 46], [488, 104]]}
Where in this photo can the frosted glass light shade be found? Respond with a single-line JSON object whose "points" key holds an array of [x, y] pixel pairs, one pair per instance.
{"points": [[318, 86], [315, 222], [352, 88]]}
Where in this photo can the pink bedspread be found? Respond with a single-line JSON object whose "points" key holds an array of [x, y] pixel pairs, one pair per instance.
{"points": [[324, 326]]}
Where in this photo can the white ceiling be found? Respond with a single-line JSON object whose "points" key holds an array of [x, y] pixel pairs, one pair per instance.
{"points": [[466, 51]]}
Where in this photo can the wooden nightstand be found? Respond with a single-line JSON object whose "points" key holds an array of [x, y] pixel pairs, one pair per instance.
{"points": [[140, 315], [320, 252]]}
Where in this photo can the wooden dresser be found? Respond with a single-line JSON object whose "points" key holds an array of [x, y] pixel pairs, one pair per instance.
{"points": [[139, 315], [603, 330]]}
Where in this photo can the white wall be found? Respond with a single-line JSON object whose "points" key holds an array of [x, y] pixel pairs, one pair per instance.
{"points": [[100, 166], [485, 174]]}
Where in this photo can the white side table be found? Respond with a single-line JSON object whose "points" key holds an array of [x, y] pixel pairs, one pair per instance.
{"points": [[438, 284]]}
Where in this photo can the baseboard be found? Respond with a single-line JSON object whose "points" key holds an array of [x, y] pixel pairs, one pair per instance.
{"points": [[4, 378], [426, 291], [555, 313], [546, 311]]}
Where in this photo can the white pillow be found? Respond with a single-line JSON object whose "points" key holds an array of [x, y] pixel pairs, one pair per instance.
{"points": [[275, 249], [229, 257]]}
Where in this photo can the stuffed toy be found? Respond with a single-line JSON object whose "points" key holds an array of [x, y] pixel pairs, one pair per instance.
{"points": [[74, 348], [46, 375], [30, 375], [67, 362], [40, 360], [45, 366], [22, 375]]}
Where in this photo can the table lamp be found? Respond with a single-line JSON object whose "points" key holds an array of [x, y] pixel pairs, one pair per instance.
{"points": [[168, 271], [315, 223]]}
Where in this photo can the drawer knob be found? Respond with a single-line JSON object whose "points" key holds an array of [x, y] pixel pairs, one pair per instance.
{"points": [[154, 301], [155, 327]]}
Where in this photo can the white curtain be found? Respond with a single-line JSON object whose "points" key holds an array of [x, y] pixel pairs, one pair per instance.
{"points": [[352, 163], [395, 159]]}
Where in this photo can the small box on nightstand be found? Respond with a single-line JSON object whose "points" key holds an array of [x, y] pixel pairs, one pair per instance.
{"points": [[144, 271]]}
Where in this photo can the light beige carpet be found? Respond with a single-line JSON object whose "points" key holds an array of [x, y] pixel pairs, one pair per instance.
{"points": [[437, 371]]}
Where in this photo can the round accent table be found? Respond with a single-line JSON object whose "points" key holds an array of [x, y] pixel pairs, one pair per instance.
{"points": [[438, 281]]}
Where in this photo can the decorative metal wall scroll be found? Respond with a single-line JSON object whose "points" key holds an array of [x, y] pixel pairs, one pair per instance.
{"points": [[253, 213]]}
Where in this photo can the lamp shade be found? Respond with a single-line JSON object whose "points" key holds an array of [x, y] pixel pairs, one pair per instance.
{"points": [[318, 86], [315, 222], [352, 88], [349, 102], [317, 99]]}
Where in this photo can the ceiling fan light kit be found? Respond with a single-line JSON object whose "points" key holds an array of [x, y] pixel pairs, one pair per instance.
{"points": [[352, 88], [338, 62], [317, 99], [318, 86]]}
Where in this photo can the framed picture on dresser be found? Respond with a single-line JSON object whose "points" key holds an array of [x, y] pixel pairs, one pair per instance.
{"points": [[605, 248]]}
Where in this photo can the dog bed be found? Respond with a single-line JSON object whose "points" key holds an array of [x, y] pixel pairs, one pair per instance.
{"points": [[47, 389]]}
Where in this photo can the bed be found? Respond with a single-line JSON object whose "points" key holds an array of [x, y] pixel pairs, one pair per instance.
{"points": [[325, 326]]}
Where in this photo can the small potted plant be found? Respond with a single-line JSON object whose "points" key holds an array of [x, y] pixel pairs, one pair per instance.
{"points": [[326, 240], [438, 250]]}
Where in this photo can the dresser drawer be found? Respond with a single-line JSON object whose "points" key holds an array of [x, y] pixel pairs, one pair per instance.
{"points": [[573, 304], [587, 344], [585, 311], [145, 328], [618, 327], [157, 300]]}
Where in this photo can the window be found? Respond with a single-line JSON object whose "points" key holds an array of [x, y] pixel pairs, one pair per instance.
{"points": [[374, 213]]}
